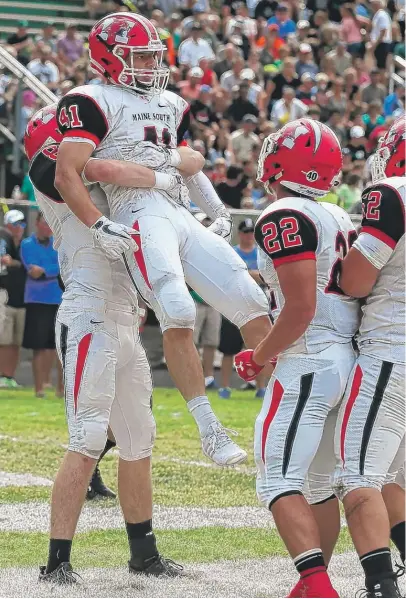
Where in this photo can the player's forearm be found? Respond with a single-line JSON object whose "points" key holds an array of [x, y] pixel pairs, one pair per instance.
{"points": [[288, 328], [71, 187], [191, 163], [203, 194], [118, 172]]}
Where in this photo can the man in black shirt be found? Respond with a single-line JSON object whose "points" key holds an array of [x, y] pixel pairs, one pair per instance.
{"points": [[21, 42], [201, 108], [12, 283], [230, 190], [241, 105]]}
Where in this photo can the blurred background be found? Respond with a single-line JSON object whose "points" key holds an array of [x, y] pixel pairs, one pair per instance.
{"points": [[246, 68]]}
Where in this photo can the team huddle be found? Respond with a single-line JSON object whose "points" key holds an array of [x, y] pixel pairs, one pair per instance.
{"points": [[114, 179]]}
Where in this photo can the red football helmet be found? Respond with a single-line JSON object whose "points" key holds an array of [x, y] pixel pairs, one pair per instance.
{"points": [[389, 158], [114, 42], [42, 129], [304, 156]]}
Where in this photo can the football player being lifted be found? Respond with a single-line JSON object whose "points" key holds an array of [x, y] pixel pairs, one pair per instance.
{"points": [[370, 431], [302, 243], [106, 372], [131, 117]]}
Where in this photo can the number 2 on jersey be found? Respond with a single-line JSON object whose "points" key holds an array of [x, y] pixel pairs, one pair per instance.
{"points": [[288, 234], [372, 209], [342, 247]]}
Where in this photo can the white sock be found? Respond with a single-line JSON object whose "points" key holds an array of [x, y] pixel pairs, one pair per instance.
{"points": [[202, 412], [208, 380]]}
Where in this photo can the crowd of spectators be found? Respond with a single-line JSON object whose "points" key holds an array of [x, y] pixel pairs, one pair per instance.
{"points": [[247, 69]]}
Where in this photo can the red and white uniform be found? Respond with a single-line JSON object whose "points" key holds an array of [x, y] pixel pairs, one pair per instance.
{"points": [[106, 371], [310, 376], [370, 429], [174, 248]]}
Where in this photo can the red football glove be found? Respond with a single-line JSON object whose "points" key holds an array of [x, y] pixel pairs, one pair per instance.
{"points": [[246, 367]]}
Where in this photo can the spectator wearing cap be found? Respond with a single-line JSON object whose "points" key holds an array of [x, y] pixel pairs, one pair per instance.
{"points": [[254, 90], [230, 190], [244, 140], [306, 63], [21, 42], [201, 107], [12, 283], [190, 88], [285, 23], [42, 297], [194, 48], [241, 106], [206, 334], [306, 91], [226, 59], [45, 69], [342, 58], [394, 101], [303, 31], [374, 90], [238, 37], [288, 108], [231, 341], [381, 33], [70, 45], [231, 78], [48, 37], [357, 144]]}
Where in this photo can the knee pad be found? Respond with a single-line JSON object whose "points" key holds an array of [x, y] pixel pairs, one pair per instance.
{"points": [[93, 440], [138, 440], [318, 488], [177, 309]]}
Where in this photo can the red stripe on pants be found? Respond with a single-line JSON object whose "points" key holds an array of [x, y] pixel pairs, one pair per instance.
{"points": [[139, 256], [356, 384], [277, 394], [83, 350]]}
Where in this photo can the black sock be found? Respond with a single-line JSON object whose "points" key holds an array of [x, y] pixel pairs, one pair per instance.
{"points": [[141, 540], [59, 552], [397, 534], [109, 445], [376, 563], [309, 562]]}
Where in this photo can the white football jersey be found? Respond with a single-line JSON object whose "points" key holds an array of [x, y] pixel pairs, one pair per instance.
{"points": [[115, 120], [382, 242], [294, 229], [84, 267]]}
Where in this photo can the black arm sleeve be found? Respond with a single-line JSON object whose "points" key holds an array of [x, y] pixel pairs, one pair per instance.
{"points": [[287, 236], [383, 213], [183, 126], [81, 116], [42, 173]]}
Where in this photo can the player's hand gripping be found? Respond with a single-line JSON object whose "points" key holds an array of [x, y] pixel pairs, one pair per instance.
{"points": [[247, 368], [114, 239], [223, 226]]}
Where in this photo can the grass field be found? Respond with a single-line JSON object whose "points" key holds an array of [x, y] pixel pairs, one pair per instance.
{"points": [[205, 516]]}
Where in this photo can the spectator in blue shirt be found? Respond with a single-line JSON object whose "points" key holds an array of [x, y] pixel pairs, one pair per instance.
{"points": [[395, 101], [281, 18], [231, 341], [42, 298]]}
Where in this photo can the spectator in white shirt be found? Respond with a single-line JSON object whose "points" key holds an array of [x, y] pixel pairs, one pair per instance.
{"points": [[381, 33], [288, 108], [233, 77], [254, 90], [194, 48], [45, 70]]}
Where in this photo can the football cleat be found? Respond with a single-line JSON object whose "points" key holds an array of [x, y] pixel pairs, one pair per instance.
{"points": [[155, 566], [219, 447], [386, 586], [98, 488], [62, 575], [297, 590], [317, 585]]}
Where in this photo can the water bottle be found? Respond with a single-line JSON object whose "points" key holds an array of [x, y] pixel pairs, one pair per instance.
{"points": [[3, 252]]}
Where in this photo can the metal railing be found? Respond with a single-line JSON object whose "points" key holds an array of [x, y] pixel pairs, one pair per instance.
{"points": [[397, 78]]}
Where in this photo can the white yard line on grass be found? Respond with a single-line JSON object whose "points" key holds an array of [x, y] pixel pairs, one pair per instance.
{"points": [[12, 479], [34, 517], [271, 577]]}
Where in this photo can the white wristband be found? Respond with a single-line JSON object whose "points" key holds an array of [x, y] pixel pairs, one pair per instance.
{"points": [[162, 181], [174, 158]]}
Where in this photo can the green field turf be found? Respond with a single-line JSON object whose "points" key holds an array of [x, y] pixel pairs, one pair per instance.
{"points": [[32, 439]]}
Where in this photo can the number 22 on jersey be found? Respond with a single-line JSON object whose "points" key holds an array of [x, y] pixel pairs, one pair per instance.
{"points": [[342, 246]]}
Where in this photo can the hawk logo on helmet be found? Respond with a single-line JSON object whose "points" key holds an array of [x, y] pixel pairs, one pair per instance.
{"points": [[46, 117], [120, 36], [289, 142]]}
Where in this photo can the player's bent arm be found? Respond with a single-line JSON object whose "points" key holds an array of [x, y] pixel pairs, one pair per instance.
{"points": [[118, 172], [71, 160], [203, 194], [298, 282], [358, 275]]}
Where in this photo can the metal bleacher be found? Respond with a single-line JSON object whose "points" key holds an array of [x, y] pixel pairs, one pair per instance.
{"points": [[38, 12]]}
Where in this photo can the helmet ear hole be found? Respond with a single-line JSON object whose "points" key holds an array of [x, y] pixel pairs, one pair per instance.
{"points": [[308, 143]]}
